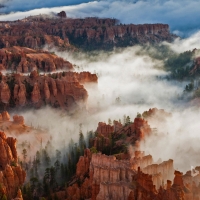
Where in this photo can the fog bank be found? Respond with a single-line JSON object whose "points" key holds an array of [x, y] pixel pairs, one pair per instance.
{"points": [[182, 19]]}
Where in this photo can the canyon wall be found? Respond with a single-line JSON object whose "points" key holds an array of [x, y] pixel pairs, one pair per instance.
{"points": [[88, 33], [101, 177]]}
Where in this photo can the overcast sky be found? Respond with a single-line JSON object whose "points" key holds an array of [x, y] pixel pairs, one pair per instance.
{"points": [[182, 15]]}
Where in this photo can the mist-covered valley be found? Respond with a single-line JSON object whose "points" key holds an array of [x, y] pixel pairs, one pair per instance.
{"points": [[96, 107], [130, 81]]}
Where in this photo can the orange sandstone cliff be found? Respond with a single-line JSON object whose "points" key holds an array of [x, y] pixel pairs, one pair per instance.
{"points": [[100, 177], [64, 90], [24, 60], [12, 176], [89, 33]]}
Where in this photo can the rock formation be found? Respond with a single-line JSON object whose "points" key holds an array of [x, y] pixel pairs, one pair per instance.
{"points": [[103, 177], [19, 195], [24, 60], [160, 114], [18, 119], [62, 14], [12, 176], [160, 172], [4, 116], [64, 90], [100, 177], [104, 129], [89, 33], [121, 135], [5, 92], [83, 164]]}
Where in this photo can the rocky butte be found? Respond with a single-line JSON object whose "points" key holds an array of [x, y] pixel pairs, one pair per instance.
{"points": [[87, 34]]}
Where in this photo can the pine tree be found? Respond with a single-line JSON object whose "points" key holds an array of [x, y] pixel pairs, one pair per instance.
{"points": [[139, 115], [82, 143], [29, 193], [128, 120], [57, 165], [24, 153], [33, 181], [58, 155]]}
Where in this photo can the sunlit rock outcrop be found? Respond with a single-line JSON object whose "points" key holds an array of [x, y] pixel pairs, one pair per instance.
{"points": [[12, 176]]}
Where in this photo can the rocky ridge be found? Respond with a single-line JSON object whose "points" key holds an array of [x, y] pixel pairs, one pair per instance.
{"points": [[25, 60], [63, 90], [88, 34]]}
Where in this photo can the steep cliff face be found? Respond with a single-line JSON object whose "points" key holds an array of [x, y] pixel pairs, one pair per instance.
{"points": [[88, 33], [57, 90], [12, 176], [108, 178], [160, 172], [31, 34], [24, 60]]}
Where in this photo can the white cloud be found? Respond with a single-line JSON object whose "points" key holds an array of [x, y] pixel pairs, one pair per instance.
{"points": [[181, 15], [181, 45]]}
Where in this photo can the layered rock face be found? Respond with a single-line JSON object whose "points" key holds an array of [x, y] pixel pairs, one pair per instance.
{"points": [[12, 176], [160, 172], [111, 178], [88, 33], [24, 60], [32, 34], [106, 178], [129, 178], [58, 90], [104, 129], [75, 192], [191, 182]]}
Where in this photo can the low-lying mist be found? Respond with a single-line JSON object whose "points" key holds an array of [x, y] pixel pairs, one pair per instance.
{"points": [[128, 82], [182, 19], [177, 138]]}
